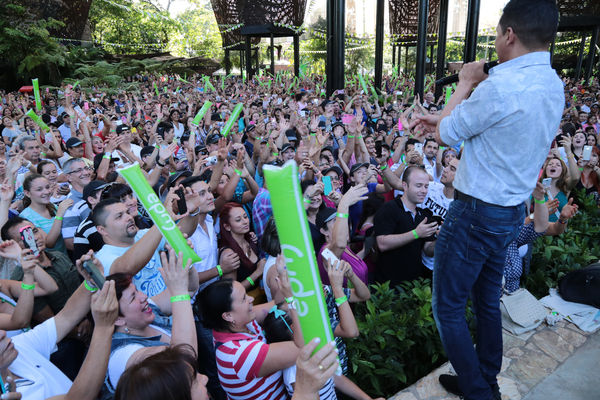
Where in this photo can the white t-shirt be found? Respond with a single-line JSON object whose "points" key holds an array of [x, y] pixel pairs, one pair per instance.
{"points": [[118, 359], [149, 279], [205, 245], [43, 379], [438, 203], [135, 149], [327, 392], [270, 262]]}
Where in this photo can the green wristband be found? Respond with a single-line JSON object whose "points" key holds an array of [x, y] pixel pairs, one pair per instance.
{"points": [[341, 300], [237, 171], [219, 270], [106, 156], [25, 286], [341, 215], [181, 297], [350, 136], [539, 201], [415, 234], [289, 300], [383, 167], [58, 218], [250, 280], [89, 287]]}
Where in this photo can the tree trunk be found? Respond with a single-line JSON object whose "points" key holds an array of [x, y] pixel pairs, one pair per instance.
{"points": [[73, 13]]}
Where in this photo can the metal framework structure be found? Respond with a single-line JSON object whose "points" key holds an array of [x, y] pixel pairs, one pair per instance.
{"points": [[414, 23], [581, 16], [227, 14], [270, 18]]}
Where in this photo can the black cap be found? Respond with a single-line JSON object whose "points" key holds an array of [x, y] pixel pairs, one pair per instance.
{"points": [[91, 188], [357, 166], [324, 216], [200, 149], [73, 142], [213, 139], [335, 169], [173, 178], [64, 114], [286, 146], [122, 128], [337, 123], [98, 160], [250, 128]]}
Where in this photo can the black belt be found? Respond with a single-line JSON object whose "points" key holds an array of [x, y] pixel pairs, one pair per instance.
{"points": [[466, 198]]}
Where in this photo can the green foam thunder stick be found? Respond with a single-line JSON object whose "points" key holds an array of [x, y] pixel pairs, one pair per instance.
{"points": [[157, 211], [297, 247], [201, 113], [31, 114], [232, 119], [36, 93], [156, 90], [361, 79], [448, 94]]}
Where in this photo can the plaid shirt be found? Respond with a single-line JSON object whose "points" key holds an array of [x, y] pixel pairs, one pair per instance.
{"points": [[261, 211]]}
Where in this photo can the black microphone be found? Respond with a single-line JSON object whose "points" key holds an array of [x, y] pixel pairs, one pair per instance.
{"points": [[454, 78]]}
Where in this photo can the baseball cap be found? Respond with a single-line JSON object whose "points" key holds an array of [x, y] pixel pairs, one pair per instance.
{"points": [[335, 169], [358, 166], [286, 146], [324, 216], [213, 139], [122, 128], [73, 142], [91, 188]]}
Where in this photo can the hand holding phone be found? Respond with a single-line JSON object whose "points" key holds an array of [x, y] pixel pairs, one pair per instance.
{"points": [[181, 204], [29, 239], [95, 277]]}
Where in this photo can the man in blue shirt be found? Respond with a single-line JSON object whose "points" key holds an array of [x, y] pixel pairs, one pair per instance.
{"points": [[507, 124]]}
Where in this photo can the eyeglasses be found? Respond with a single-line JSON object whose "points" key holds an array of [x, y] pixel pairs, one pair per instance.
{"points": [[80, 170]]}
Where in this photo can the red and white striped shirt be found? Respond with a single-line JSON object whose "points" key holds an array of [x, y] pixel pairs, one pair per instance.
{"points": [[239, 358]]}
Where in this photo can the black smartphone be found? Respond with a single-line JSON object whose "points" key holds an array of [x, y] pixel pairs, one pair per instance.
{"points": [[97, 279], [29, 239], [436, 218], [378, 146], [181, 205]]}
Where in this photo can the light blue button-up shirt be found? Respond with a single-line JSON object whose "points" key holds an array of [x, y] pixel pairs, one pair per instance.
{"points": [[508, 124]]}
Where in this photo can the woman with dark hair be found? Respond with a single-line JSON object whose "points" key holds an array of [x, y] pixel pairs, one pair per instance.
{"points": [[171, 374], [313, 202], [42, 213], [248, 367], [236, 235], [178, 127], [270, 244], [136, 337]]}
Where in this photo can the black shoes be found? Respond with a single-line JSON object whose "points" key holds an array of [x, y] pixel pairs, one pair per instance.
{"points": [[450, 383]]}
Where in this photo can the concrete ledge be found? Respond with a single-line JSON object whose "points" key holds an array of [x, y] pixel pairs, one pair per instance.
{"points": [[528, 359]]}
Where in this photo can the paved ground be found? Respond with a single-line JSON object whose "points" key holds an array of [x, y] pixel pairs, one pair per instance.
{"points": [[552, 362], [576, 379]]}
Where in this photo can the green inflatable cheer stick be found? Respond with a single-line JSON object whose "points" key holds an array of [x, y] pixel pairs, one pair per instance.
{"points": [[297, 247], [361, 79], [36, 93], [31, 114], [448, 94], [156, 90], [201, 113], [157, 211], [232, 119]]}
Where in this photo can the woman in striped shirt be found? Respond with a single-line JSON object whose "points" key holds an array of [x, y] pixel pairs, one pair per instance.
{"points": [[248, 367]]}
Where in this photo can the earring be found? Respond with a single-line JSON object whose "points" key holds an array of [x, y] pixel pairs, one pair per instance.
{"points": [[127, 330]]}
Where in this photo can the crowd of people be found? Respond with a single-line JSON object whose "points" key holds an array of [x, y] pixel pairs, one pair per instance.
{"points": [[376, 188]]}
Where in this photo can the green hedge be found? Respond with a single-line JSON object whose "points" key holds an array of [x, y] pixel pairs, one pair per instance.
{"points": [[399, 342], [554, 256]]}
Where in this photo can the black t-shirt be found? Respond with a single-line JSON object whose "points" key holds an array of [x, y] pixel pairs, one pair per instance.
{"points": [[403, 263]]}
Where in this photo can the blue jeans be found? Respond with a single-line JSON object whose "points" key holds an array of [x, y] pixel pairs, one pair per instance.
{"points": [[469, 262]]}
